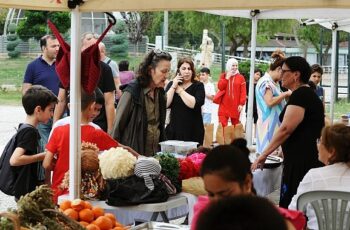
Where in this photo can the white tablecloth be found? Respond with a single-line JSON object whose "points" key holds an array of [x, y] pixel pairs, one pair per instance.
{"points": [[267, 180]]}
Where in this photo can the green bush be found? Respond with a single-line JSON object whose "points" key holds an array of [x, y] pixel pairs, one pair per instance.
{"points": [[14, 53], [11, 45], [11, 37], [12, 28], [244, 68]]}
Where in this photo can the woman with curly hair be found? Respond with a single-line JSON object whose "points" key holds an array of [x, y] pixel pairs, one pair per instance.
{"points": [[140, 118]]}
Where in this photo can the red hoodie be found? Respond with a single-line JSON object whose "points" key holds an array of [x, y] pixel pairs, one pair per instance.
{"points": [[235, 88]]}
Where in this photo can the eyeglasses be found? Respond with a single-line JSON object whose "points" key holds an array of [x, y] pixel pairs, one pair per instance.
{"points": [[286, 70]]}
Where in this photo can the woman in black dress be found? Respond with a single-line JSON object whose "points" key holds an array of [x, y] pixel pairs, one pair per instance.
{"points": [[302, 121], [185, 97]]}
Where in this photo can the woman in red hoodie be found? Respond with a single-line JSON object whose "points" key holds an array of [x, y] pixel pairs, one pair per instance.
{"points": [[234, 85]]}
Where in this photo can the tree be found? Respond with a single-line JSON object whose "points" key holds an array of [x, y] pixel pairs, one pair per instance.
{"points": [[13, 41], [310, 35], [35, 24], [120, 42], [3, 13], [136, 24]]}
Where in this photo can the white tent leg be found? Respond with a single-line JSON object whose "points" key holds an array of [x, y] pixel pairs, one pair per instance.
{"points": [[75, 106], [334, 40], [249, 123]]}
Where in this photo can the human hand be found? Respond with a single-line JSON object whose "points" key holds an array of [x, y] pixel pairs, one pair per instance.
{"points": [[287, 93], [258, 163], [240, 107], [177, 80]]}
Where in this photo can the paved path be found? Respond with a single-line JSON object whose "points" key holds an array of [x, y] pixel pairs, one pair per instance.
{"points": [[10, 117]]}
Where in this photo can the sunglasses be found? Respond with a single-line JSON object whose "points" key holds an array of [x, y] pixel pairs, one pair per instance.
{"points": [[159, 53]]}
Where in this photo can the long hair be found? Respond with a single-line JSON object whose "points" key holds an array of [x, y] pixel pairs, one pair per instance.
{"points": [[190, 62]]}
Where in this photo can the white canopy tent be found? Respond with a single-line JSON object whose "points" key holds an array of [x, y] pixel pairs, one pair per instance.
{"points": [[334, 19], [294, 9]]}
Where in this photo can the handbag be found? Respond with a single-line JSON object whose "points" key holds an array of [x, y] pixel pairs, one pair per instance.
{"points": [[133, 191], [218, 96]]}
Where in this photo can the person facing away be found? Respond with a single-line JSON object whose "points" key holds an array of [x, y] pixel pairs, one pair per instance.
{"points": [[333, 151], [42, 71], [141, 110], [234, 85], [113, 65], [105, 84], [270, 102], [185, 97], [57, 156], [257, 75], [316, 77], [241, 212], [209, 89], [38, 103], [125, 74]]}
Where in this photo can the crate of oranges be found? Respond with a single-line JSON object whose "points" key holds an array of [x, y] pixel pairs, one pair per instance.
{"points": [[91, 217]]}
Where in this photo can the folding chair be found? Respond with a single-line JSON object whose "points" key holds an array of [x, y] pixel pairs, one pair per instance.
{"points": [[331, 208]]}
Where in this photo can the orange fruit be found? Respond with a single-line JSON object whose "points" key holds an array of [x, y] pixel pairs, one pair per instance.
{"points": [[83, 223], [77, 204], [65, 205], [71, 213], [111, 217], [87, 205], [104, 223], [118, 228], [98, 211], [86, 215], [92, 227], [117, 224]]}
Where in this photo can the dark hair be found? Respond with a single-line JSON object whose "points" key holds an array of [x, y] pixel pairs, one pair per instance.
{"points": [[312, 85], [87, 99], [337, 137], [277, 59], [297, 63], [258, 70], [190, 62], [316, 68], [123, 65], [205, 70], [241, 212], [37, 95], [231, 163], [99, 96], [150, 61], [43, 40]]}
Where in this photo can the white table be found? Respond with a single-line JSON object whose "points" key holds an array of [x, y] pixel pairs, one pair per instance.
{"points": [[175, 207]]}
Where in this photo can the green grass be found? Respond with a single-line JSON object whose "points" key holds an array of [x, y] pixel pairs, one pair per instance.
{"points": [[12, 72]]}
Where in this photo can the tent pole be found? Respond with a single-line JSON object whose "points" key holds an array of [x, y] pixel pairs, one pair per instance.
{"points": [[334, 41], [75, 106], [249, 122]]}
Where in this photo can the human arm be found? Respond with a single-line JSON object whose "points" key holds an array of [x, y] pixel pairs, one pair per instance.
{"points": [[110, 109], [271, 101], [171, 88], [25, 87], [48, 162], [131, 150], [243, 94], [222, 83], [117, 84], [122, 115], [61, 105], [292, 118], [19, 158]]}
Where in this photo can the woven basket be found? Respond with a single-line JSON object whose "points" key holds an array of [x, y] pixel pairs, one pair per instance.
{"points": [[194, 185]]}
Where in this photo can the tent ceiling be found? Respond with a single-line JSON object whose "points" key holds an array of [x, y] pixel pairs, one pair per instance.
{"points": [[330, 13], [160, 5]]}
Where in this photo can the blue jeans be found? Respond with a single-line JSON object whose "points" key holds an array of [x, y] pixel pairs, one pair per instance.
{"points": [[44, 131], [206, 118]]}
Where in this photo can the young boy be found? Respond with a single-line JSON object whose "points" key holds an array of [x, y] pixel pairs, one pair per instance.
{"points": [[316, 76], [209, 88], [38, 103], [58, 145]]}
